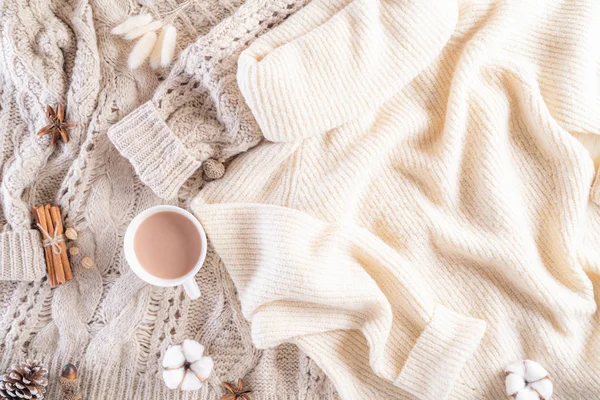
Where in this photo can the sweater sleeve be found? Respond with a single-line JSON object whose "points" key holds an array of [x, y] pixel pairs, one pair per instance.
{"points": [[356, 305], [305, 281], [333, 60], [198, 113]]}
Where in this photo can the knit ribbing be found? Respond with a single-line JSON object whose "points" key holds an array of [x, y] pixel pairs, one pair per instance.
{"points": [[21, 256], [220, 128], [315, 278], [318, 297], [444, 346], [458, 156], [113, 326], [595, 189], [315, 97], [158, 156]]}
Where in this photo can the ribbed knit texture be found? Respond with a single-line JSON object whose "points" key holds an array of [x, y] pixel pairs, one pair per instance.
{"points": [[106, 321], [21, 256], [157, 155], [421, 215], [167, 139]]}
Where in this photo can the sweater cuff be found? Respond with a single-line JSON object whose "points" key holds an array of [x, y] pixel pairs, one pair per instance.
{"points": [[156, 153], [279, 259], [341, 64], [21, 256], [437, 358]]}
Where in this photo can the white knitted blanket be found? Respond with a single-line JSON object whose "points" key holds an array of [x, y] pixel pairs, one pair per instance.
{"points": [[106, 321]]}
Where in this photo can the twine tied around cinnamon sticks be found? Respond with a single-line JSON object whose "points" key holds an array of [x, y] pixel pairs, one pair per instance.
{"points": [[52, 241], [49, 221]]}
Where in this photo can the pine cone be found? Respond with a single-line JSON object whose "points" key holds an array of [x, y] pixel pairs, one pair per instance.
{"points": [[26, 380]]}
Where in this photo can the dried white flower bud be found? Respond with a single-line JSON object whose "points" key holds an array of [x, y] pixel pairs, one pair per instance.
{"points": [[168, 45], [142, 30], [132, 23], [156, 51], [142, 50]]}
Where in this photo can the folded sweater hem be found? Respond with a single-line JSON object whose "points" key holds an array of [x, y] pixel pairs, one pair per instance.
{"points": [[442, 349], [156, 153], [433, 361], [21, 256]]}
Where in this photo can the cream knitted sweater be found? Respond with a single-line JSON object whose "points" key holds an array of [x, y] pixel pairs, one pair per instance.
{"points": [[421, 215], [106, 321]]}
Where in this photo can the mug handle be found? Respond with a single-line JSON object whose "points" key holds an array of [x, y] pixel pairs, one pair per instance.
{"points": [[191, 288]]}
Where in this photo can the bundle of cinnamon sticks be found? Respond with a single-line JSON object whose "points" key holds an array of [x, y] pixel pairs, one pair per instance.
{"points": [[49, 221]]}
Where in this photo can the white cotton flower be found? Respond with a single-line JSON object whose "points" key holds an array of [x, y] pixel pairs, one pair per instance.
{"points": [[514, 383], [185, 366], [132, 23], [528, 380], [141, 50], [173, 357]]}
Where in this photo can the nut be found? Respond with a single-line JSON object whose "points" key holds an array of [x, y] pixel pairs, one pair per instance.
{"points": [[71, 233], [213, 169], [69, 371], [87, 262], [74, 250]]}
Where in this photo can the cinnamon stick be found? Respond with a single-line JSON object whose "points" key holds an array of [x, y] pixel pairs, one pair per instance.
{"points": [[40, 218], [56, 260], [57, 223]]}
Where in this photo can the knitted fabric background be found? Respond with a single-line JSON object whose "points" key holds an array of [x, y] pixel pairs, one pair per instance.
{"points": [[110, 324], [420, 215]]}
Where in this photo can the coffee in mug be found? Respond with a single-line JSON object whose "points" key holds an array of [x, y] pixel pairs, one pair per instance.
{"points": [[166, 246]]}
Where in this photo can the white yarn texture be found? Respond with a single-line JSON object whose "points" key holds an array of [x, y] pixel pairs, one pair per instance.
{"points": [[419, 215], [106, 321]]}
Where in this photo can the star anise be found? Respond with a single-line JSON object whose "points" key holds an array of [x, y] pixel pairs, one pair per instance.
{"points": [[236, 392], [57, 126]]}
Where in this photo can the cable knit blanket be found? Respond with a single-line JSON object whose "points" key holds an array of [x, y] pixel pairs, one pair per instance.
{"points": [[106, 321]]}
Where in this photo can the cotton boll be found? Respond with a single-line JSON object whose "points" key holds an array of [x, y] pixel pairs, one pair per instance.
{"points": [[156, 51], [186, 367], [527, 394], [534, 371], [142, 30], [528, 380], [174, 357], [191, 382], [142, 50], [173, 378], [192, 350], [514, 383], [543, 387], [516, 368], [203, 367], [132, 23], [168, 45]]}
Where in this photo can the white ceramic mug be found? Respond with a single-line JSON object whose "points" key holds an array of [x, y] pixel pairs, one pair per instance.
{"points": [[188, 280]]}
